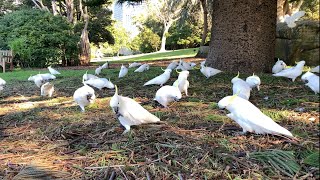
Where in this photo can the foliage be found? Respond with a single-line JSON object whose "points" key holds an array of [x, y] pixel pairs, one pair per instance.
{"points": [[38, 38], [147, 41], [188, 35], [312, 159], [311, 7]]}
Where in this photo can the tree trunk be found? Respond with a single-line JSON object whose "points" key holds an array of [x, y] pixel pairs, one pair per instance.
{"points": [[54, 7], [167, 25], [243, 35], [84, 42], [70, 8], [205, 21]]}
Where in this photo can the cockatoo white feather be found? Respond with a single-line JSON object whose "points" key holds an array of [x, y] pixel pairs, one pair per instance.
{"points": [[123, 71], [53, 71], [143, 67], [312, 81], [84, 96], [161, 79], [292, 73], [87, 76], [254, 81], [209, 71], [129, 112], [290, 20], [182, 82], [47, 89], [98, 70], [315, 69], [134, 64], [241, 87], [250, 118], [2, 83], [105, 65], [172, 65], [167, 94], [278, 66], [100, 83]]}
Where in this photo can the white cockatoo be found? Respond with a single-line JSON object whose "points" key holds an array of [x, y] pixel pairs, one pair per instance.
{"points": [[173, 65], [209, 71], [254, 81], [123, 71], [315, 69], [143, 67], [241, 87], [203, 63], [44, 77], [182, 82], [250, 118], [290, 20], [185, 66], [129, 112], [98, 70], [292, 73], [47, 89], [84, 96], [87, 76], [161, 79], [38, 79], [2, 83], [312, 81], [100, 83], [134, 64], [53, 71], [278, 66], [105, 65], [167, 94]]}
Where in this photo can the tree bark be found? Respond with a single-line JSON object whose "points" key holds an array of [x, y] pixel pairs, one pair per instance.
{"points": [[54, 7], [205, 21], [167, 25], [70, 9], [243, 35], [84, 41]]}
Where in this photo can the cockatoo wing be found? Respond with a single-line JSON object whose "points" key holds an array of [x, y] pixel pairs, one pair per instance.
{"points": [[53, 71], [2, 82], [315, 69], [134, 112], [161, 79], [242, 89], [297, 15], [123, 72]]}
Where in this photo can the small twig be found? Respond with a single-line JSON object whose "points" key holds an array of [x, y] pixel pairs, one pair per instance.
{"points": [[123, 173], [113, 175]]}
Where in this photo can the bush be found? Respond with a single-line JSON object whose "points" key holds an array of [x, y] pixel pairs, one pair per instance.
{"points": [[147, 41], [38, 38]]}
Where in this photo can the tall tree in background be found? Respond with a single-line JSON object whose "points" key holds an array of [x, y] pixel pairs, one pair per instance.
{"points": [[168, 11], [204, 9]]}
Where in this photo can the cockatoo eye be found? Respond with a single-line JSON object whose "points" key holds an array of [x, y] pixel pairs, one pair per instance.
{"points": [[306, 81]]}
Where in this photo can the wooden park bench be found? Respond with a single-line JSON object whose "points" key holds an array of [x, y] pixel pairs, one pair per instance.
{"points": [[6, 57]]}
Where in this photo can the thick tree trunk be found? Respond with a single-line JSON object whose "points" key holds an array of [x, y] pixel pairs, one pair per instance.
{"points": [[243, 35], [167, 25], [205, 21], [84, 42]]}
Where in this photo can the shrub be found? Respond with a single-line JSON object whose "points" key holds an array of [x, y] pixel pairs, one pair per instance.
{"points": [[38, 38]]}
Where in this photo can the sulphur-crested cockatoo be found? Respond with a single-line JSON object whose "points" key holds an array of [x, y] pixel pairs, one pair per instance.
{"points": [[98, 70], [45, 77], [143, 67], [290, 20], [254, 81], [292, 73], [167, 94], [173, 65], [134, 64], [38, 79], [312, 81], [129, 112], [87, 76], [100, 83], [84, 96], [185, 66], [161, 79], [105, 65], [315, 69], [47, 89], [278, 66], [53, 71], [2, 83], [209, 71], [123, 71], [250, 118], [182, 82], [241, 87]]}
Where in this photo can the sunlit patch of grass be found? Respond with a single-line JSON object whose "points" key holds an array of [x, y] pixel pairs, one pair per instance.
{"points": [[214, 105], [276, 115], [215, 117]]}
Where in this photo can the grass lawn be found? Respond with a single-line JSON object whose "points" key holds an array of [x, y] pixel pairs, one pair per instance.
{"points": [[171, 54], [197, 140]]}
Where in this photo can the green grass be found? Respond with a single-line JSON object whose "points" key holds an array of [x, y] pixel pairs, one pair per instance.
{"points": [[171, 54], [196, 137]]}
